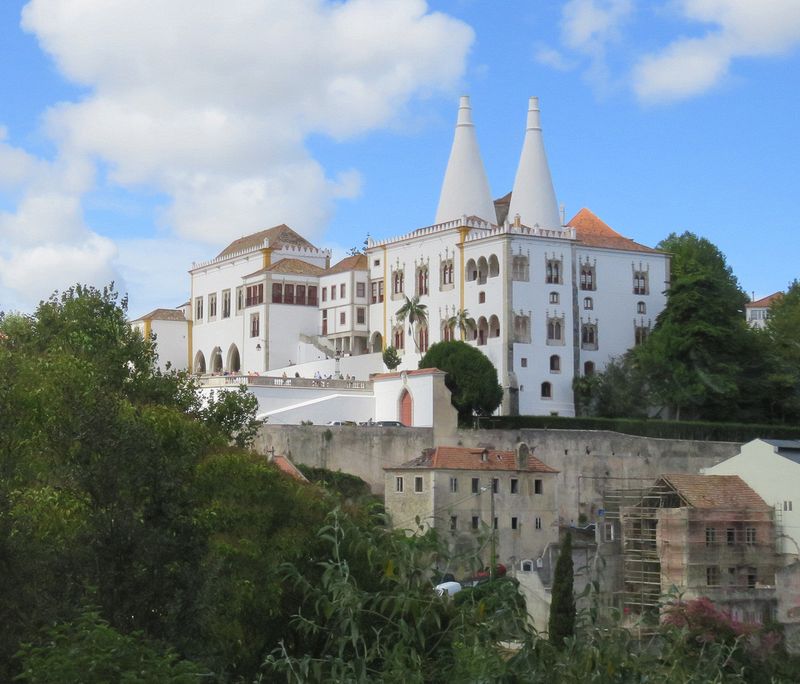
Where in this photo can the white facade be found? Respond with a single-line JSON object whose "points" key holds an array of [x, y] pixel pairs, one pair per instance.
{"points": [[549, 301], [757, 312], [772, 469], [170, 328]]}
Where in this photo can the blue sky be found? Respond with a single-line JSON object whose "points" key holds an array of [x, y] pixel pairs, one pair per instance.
{"points": [[139, 136]]}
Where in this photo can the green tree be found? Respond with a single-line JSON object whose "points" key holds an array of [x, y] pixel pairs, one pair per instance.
{"points": [[561, 624], [89, 650], [783, 343], [696, 359], [471, 378], [391, 359], [618, 392], [413, 312]]}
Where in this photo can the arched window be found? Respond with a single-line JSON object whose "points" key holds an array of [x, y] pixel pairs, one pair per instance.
{"points": [[399, 337], [589, 336], [422, 338], [555, 363], [587, 277], [448, 334], [199, 363], [216, 360], [446, 273], [555, 331], [494, 266], [588, 303], [482, 330], [641, 308], [554, 298], [640, 284], [640, 334], [553, 271], [398, 281], [588, 368], [472, 270], [234, 363], [483, 270], [422, 280], [377, 343], [406, 408], [547, 390], [494, 326]]}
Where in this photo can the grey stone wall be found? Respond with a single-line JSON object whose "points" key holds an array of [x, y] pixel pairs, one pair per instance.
{"points": [[589, 461]]}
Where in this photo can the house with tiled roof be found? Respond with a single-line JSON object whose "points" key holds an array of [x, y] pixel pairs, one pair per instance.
{"points": [[757, 311], [698, 536], [551, 299], [480, 500], [170, 330]]}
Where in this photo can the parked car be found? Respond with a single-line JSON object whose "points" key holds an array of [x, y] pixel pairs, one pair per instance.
{"points": [[388, 423]]}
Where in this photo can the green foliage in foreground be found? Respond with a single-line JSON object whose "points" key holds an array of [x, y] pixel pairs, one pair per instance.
{"points": [[139, 544]]}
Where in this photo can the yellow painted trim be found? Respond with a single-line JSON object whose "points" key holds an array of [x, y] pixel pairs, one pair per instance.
{"points": [[266, 253], [385, 293], [462, 236], [147, 328]]}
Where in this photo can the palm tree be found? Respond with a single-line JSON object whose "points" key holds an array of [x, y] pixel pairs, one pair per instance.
{"points": [[413, 312], [461, 320]]}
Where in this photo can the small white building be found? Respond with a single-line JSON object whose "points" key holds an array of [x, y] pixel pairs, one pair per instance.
{"points": [[771, 467], [171, 330], [757, 311]]}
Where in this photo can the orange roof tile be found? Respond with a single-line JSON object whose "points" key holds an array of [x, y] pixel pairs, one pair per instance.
{"points": [[769, 300], [593, 232], [286, 466], [714, 491], [278, 236], [356, 262], [290, 267], [163, 315], [467, 458]]}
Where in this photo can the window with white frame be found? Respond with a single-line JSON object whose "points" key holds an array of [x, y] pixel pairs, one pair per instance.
{"points": [[255, 325], [589, 336], [198, 308], [555, 330], [453, 485], [553, 271], [399, 484], [418, 483], [554, 298], [519, 267], [588, 303]]}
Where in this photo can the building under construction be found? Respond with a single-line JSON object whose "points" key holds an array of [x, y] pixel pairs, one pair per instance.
{"points": [[689, 536]]}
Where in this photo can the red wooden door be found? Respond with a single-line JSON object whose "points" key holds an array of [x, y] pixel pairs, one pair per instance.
{"points": [[406, 408]]}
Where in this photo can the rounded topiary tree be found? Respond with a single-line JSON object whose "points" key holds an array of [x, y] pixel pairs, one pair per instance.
{"points": [[471, 378]]}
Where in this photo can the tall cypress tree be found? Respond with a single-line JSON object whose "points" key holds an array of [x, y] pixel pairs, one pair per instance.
{"points": [[562, 606]]}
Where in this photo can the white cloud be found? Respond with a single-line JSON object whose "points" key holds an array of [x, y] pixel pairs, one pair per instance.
{"points": [[211, 103], [552, 58], [588, 27], [741, 28]]}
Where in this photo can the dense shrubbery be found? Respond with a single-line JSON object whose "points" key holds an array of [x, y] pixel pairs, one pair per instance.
{"points": [[665, 429], [138, 545]]}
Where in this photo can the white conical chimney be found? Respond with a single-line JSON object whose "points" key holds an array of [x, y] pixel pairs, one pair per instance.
{"points": [[465, 191], [533, 197]]}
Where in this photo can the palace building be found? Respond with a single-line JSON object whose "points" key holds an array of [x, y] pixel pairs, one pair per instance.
{"points": [[546, 300]]}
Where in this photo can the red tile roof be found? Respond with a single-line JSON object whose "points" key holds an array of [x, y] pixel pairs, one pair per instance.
{"points": [[163, 315], [769, 300], [593, 232], [397, 374], [467, 458], [278, 237], [290, 267], [714, 491], [287, 467], [356, 262]]}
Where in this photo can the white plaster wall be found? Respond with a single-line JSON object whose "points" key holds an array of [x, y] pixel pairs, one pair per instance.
{"points": [[775, 479], [171, 344], [533, 298], [615, 305], [387, 398], [285, 323]]}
